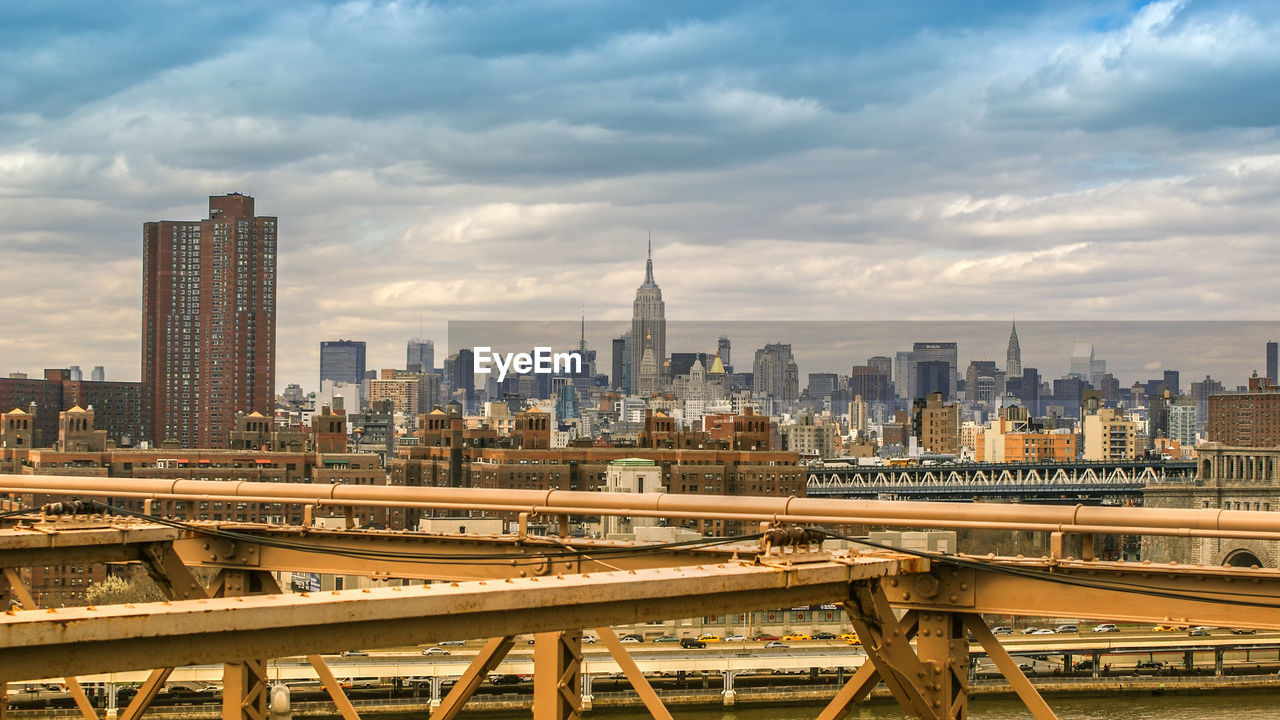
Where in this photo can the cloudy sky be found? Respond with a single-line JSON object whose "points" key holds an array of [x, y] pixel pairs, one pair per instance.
{"points": [[794, 161]]}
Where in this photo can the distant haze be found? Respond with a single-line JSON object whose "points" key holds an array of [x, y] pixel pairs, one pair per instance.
{"points": [[1134, 351]]}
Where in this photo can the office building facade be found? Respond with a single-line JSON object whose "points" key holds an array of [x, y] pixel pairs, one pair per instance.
{"points": [[342, 361]]}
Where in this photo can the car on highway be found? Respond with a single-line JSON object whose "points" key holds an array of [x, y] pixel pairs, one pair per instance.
{"points": [[1031, 631], [709, 637], [854, 640], [435, 651], [1084, 665], [1041, 631], [631, 639], [1198, 632], [354, 653], [1105, 627], [504, 679], [588, 639], [691, 643], [824, 635], [795, 637], [1163, 628], [776, 644], [1243, 631], [667, 639], [1067, 628], [736, 638], [1001, 630], [457, 643], [847, 636], [764, 637], [1149, 665]]}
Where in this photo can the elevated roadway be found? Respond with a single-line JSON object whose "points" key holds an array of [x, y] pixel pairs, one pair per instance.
{"points": [[1101, 481]]}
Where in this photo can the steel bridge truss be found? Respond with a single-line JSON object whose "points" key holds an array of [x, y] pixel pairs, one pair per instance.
{"points": [[500, 587], [993, 479]]}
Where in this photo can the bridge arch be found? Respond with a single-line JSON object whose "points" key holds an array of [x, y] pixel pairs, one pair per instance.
{"points": [[1245, 554]]}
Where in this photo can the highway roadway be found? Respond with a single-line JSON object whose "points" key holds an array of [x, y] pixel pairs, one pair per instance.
{"points": [[1121, 650]]}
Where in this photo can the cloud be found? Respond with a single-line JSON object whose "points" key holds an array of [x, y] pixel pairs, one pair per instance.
{"points": [[436, 161]]}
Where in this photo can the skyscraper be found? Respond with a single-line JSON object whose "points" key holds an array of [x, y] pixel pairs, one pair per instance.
{"points": [[208, 321], [1273, 362], [775, 374], [620, 378], [422, 354], [460, 375], [648, 324], [1013, 355], [722, 349], [928, 352], [904, 383], [342, 361]]}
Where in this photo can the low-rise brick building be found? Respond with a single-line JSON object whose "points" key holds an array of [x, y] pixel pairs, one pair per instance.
{"points": [[450, 455]]}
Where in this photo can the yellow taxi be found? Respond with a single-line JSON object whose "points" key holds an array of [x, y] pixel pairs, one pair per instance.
{"points": [[852, 639], [1164, 628], [795, 636], [847, 636], [708, 637]]}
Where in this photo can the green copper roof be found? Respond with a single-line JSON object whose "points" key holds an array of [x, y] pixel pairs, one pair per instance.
{"points": [[633, 462]]}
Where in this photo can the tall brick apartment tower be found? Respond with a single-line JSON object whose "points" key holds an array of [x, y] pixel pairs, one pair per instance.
{"points": [[208, 321]]}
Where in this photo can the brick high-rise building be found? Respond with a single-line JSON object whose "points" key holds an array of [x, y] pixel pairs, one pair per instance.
{"points": [[208, 321], [117, 405], [1248, 419]]}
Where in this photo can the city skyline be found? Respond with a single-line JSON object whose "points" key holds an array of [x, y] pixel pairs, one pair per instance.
{"points": [[1093, 162]]}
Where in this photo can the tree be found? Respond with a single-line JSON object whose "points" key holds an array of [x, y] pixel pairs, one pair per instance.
{"points": [[132, 587]]}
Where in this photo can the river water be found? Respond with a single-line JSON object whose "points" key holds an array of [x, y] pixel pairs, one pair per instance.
{"points": [[1244, 706]]}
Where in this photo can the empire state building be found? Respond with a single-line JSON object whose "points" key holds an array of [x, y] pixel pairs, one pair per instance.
{"points": [[648, 324]]}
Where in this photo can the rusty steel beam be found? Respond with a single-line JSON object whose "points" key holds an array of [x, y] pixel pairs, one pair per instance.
{"points": [[1078, 519], [75, 542], [146, 693], [884, 640], [244, 690], [1027, 692], [864, 680], [488, 658], [322, 551], [557, 676], [638, 681], [73, 685], [1219, 596], [268, 583], [331, 686], [115, 638]]}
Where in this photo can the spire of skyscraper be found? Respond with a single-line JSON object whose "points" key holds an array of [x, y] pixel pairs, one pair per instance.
{"points": [[1013, 356], [648, 264], [648, 323]]}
